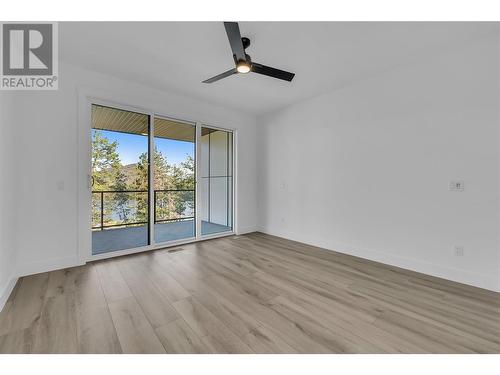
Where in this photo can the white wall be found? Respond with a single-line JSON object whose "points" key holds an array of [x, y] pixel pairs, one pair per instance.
{"points": [[365, 169], [46, 188], [7, 203]]}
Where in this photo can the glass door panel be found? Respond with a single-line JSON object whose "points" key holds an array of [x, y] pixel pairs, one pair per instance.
{"points": [[174, 180], [216, 181], [120, 179]]}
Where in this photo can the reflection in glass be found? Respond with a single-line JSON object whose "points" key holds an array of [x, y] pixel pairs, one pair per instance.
{"points": [[216, 181]]}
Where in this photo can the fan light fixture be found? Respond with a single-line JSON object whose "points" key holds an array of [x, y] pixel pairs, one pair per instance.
{"points": [[243, 67]]}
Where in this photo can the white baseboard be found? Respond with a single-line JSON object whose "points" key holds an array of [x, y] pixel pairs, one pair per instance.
{"points": [[490, 282], [7, 290], [245, 230], [48, 265]]}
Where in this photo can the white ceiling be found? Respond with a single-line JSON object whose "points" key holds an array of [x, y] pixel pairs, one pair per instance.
{"points": [[177, 56]]}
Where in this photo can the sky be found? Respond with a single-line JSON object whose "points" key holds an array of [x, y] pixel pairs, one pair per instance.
{"points": [[130, 146]]}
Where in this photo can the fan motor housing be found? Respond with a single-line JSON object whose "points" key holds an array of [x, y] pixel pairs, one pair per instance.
{"points": [[246, 42]]}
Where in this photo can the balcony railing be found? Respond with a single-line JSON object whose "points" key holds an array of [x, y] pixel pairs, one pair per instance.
{"points": [[114, 208]]}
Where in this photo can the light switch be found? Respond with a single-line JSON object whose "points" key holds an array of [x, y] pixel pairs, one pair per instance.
{"points": [[459, 250], [457, 186]]}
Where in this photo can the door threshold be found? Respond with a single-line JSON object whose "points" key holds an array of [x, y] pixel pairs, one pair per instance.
{"points": [[166, 245]]}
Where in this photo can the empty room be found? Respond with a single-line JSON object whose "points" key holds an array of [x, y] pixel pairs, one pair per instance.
{"points": [[250, 187]]}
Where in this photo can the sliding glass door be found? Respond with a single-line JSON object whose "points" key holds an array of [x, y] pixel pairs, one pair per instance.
{"points": [[120, 179], [145, 191], [174, 180]]}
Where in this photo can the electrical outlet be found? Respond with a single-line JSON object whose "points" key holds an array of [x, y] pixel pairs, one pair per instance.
{"points": [[457, 186], [459, 251]]}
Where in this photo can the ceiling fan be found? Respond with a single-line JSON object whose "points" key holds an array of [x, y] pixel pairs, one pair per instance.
{"points": [[243, 62]]}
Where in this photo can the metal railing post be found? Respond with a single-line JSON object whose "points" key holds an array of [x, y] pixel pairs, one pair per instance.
{"points": [[154, 206], [102, 210]]}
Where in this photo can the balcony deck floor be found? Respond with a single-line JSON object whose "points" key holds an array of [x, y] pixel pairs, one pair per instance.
{"points": [[104, 241]]}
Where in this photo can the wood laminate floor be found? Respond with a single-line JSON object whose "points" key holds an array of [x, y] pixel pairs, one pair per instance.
{"points": [[246, 294]]}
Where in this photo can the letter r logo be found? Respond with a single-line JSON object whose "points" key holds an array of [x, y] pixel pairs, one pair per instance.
{"points": [[27, 49]]}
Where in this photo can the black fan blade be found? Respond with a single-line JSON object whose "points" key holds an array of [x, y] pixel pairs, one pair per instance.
{"points": [[234, 36], [272, 72], [222, 75]]}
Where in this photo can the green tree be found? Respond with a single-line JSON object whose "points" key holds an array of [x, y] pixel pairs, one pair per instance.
{"points": [[107, 174], [105, 161], [127, 207], [105, 170], [141, 183], [121, 199], [187, 183], [169, 204]]}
